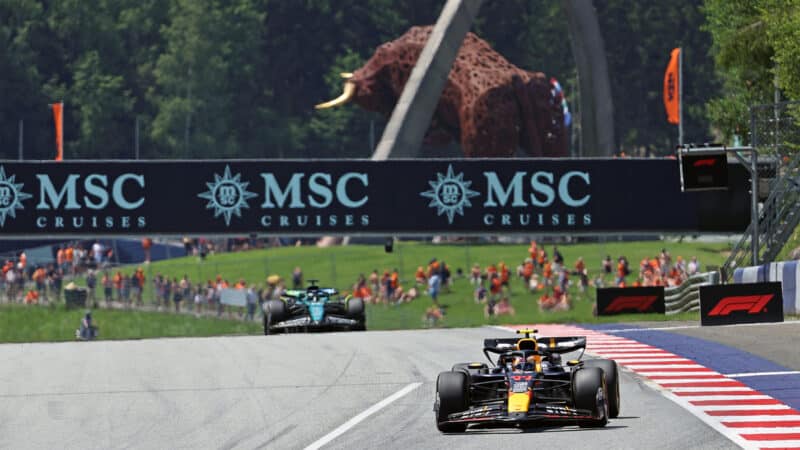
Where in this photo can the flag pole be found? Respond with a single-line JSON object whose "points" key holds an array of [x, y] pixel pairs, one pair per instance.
{"points": [[680, 95], [62, 129]]}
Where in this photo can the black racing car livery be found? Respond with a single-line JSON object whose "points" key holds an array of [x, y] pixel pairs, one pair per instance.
{"points": [[528, 385], [313, 309]]}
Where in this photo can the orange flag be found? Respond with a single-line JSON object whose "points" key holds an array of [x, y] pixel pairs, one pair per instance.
{"points": [[58, 110], [671, 94]]}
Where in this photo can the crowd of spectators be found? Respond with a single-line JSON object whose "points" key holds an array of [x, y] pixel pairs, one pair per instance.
{"points": [[35, 283], [551, 281], [544, 277]]}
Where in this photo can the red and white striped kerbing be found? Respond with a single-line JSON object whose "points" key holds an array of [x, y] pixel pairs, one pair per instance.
{"points": [[748, 417]]}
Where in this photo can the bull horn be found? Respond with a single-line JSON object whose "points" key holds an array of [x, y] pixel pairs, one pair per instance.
{"points": [[346, 75], [347, 94]]}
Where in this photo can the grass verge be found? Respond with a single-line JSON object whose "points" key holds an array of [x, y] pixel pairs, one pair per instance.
{"points": [[19, 323]]}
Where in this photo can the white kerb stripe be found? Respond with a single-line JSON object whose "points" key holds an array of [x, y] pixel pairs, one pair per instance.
{"points": [[762, 374], [657, 373], [694, 398], [654, 372], [770, 430], [663, 366], [738, 407], [702, 389], [361, 416], [755, 418], [776, 444], [690, 380], [629, 361]]}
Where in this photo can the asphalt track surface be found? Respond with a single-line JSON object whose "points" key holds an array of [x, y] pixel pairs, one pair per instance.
{"points": [[284, 392]]}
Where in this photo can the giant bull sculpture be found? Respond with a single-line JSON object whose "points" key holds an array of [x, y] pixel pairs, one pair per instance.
{"points": [[488, 104]]}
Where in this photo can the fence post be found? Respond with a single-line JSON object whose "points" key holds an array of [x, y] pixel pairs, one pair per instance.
{"points": [[400, 261], [467, 264], [334, 281], [754, 186]]}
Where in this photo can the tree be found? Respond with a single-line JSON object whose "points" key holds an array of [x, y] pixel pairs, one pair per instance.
{"points": [[743, 55], [207, 91]]}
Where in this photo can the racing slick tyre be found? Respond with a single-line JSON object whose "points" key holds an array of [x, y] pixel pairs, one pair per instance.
{"points": [[274, 312], [471, 368], [451, 396], [611, 374], [590, 393], [355, 307]]}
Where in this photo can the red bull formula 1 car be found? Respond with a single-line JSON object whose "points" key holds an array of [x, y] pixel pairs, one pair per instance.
{"points": [[527, 385]]}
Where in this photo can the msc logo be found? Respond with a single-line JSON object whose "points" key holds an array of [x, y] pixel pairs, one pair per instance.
{"points": [[641, 303], [753, 304], [227, 195], [11, 196], [449, 194]]}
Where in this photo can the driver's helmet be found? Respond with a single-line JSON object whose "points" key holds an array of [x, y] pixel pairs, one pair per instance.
{"points": [[555, 359], [520, 363]]}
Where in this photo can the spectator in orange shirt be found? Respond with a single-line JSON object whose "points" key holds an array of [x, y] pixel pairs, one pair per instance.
{"points": [[527, 271], [118, 285], [505, 276], [69, 258], [580, 270], [39, 277], [490, 271], [31, 297], [362, 291], [541, 258], [547, 273], [420, 276], [533, 251], [138, 285], [622, 270], [147, 244]]}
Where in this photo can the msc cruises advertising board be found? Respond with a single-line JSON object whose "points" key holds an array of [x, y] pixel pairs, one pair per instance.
{"points": [[315, 197]]}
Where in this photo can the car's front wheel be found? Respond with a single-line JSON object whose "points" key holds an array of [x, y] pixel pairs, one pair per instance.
{"points": [[274, 312], [611, 375], [452, 389], [590, 393]]}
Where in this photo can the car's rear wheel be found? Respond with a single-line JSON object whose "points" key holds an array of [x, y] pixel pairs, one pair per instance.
{"points": [[611, 375], [452, 390], [589, 393]]}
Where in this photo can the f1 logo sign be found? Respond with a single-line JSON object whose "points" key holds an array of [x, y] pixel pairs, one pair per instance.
{"points": [[729, 304], [635, 300], [641, 303], [753, 304], [705, 162]]}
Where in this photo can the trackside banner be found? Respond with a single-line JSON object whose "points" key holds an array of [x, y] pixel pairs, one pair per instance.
{"points": [[741, 303], [633, 300], [316, 197]]}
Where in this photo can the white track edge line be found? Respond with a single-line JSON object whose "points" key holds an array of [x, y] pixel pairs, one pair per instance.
{"points": [[341, 429]]}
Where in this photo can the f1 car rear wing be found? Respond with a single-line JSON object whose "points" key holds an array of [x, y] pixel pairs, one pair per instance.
{"points": [[564, 344]]}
